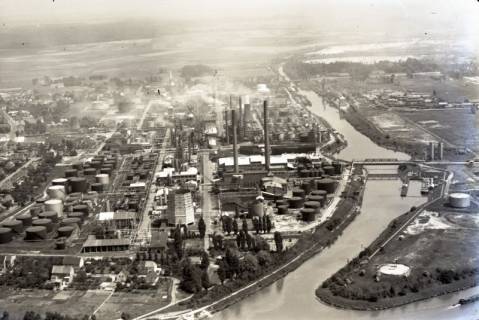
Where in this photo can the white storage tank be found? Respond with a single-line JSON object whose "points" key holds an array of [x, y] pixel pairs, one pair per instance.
{"points": [[56, 192], [103, 178], [54, 205], [459, 200]]}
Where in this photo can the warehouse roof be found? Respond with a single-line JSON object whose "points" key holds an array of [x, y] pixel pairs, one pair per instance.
{"points": [[106, 242], [121, 215]]}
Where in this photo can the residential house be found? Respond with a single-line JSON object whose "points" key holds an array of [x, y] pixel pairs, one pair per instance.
{"points": [[62, 276]]}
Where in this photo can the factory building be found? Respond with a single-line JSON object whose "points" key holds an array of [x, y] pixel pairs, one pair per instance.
{"points": [[118, 220], [180, 208], [105, 245]]}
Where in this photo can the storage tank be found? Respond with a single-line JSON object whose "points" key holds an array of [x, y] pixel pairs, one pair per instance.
{"points": [[298, 193], [81, 208], [26, 219], [52, 215], [282, 202], [98, 187], [5, 235], [319, 193], [56, 192], [283, 209], [71, 222], [96, 164], [14, 225], [47, 223], [256, 209], [60, 244], [320, 199], [102, 179], [36, 233], [459, 200], [77, 214], [338, 167], [104, 170], [306, 186], [78, 166], [313, 205], [296, 202], [308, 214], [89, 172], [329, 170], [65, 231], [78, 185], [60, 182], [69, 173], [36, 209], [54, 205], [329, 185]]}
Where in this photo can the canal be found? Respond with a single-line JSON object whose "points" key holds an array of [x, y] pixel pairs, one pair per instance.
{"points": [[293, 296]]}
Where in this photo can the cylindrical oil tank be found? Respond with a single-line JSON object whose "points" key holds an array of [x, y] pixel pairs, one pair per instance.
{"points": [[36, 233], [60, 244], [41, 200], [329, 170], [98, 187], [71, 222], [60, 182], [26, 219], [338, 167], [329, 185], [283, 209], [65, 231], [36, 209], [81, 208], [105, 170], [305, 173], [129, 176], [15, 225], [69, 173], [320, 199], [143, 174], [102, 178], [96, 164], [77, 214], [56, 192], [282, 202], [54, 205], [308, 214], [296, 202], [78, 166], [319, 193], [47, 223], [110, 163], [133, 205], [459, 200], [89, 172], [5, 235], [313, 205], [298, 192], [256, 209], [52, 215], [306, 186], [78, 185]]}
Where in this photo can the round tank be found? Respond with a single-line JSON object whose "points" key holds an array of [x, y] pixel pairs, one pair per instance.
{"points": [[78, 214], [65, 231], [133, 205], [338, 167], [459, 200], [306, 186], [60, 244], [69, 173], [26, 219], [320, 199], [313, 205], [60, 182], [52, 215], [296, 202], [36, 209], [78, 185], [104, 170], [81, 208], [256, 209], [89, 172], [5, 235], [329, 170], [102, 179], [71, 222], [328, 185], [14, 225], [298, 192], [308, 214], [56, 192], [54, 205], [96, 164], [282, 202], [283, 209], [47, 223], [98, 187], [78, 166], [36, 233], [319, 193]]}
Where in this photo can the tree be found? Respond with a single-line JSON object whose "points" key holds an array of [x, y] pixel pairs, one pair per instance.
{"points": [[250, 241], [222, 271], [205, 280], [278, 239], [264, 258], [191, 277], [244, 226], [178, 242], [205, 261], [228, 223], [125, 316], [235, 226], [256, 225], [269, 224], [202, 228], [249, 267], [232, 260]]}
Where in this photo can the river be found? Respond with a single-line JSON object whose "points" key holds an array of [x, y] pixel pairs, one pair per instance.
{"points": [[293, 296]]}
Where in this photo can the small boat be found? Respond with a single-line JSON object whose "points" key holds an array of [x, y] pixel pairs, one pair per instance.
{"points": [[469, 300]]}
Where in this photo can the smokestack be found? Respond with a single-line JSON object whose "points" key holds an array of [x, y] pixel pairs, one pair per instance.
{"points": [[235, 142], [266, 137], [226, 127], [431, 151], [190, 141], [240, 110]]}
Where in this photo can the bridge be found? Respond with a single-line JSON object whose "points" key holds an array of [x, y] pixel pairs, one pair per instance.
{"points": [[392, 162]]}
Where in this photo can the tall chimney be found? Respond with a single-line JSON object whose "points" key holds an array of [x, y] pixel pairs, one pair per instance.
{"points": [[235, 142], [240, 122], [266, 137], [226, 127]]}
